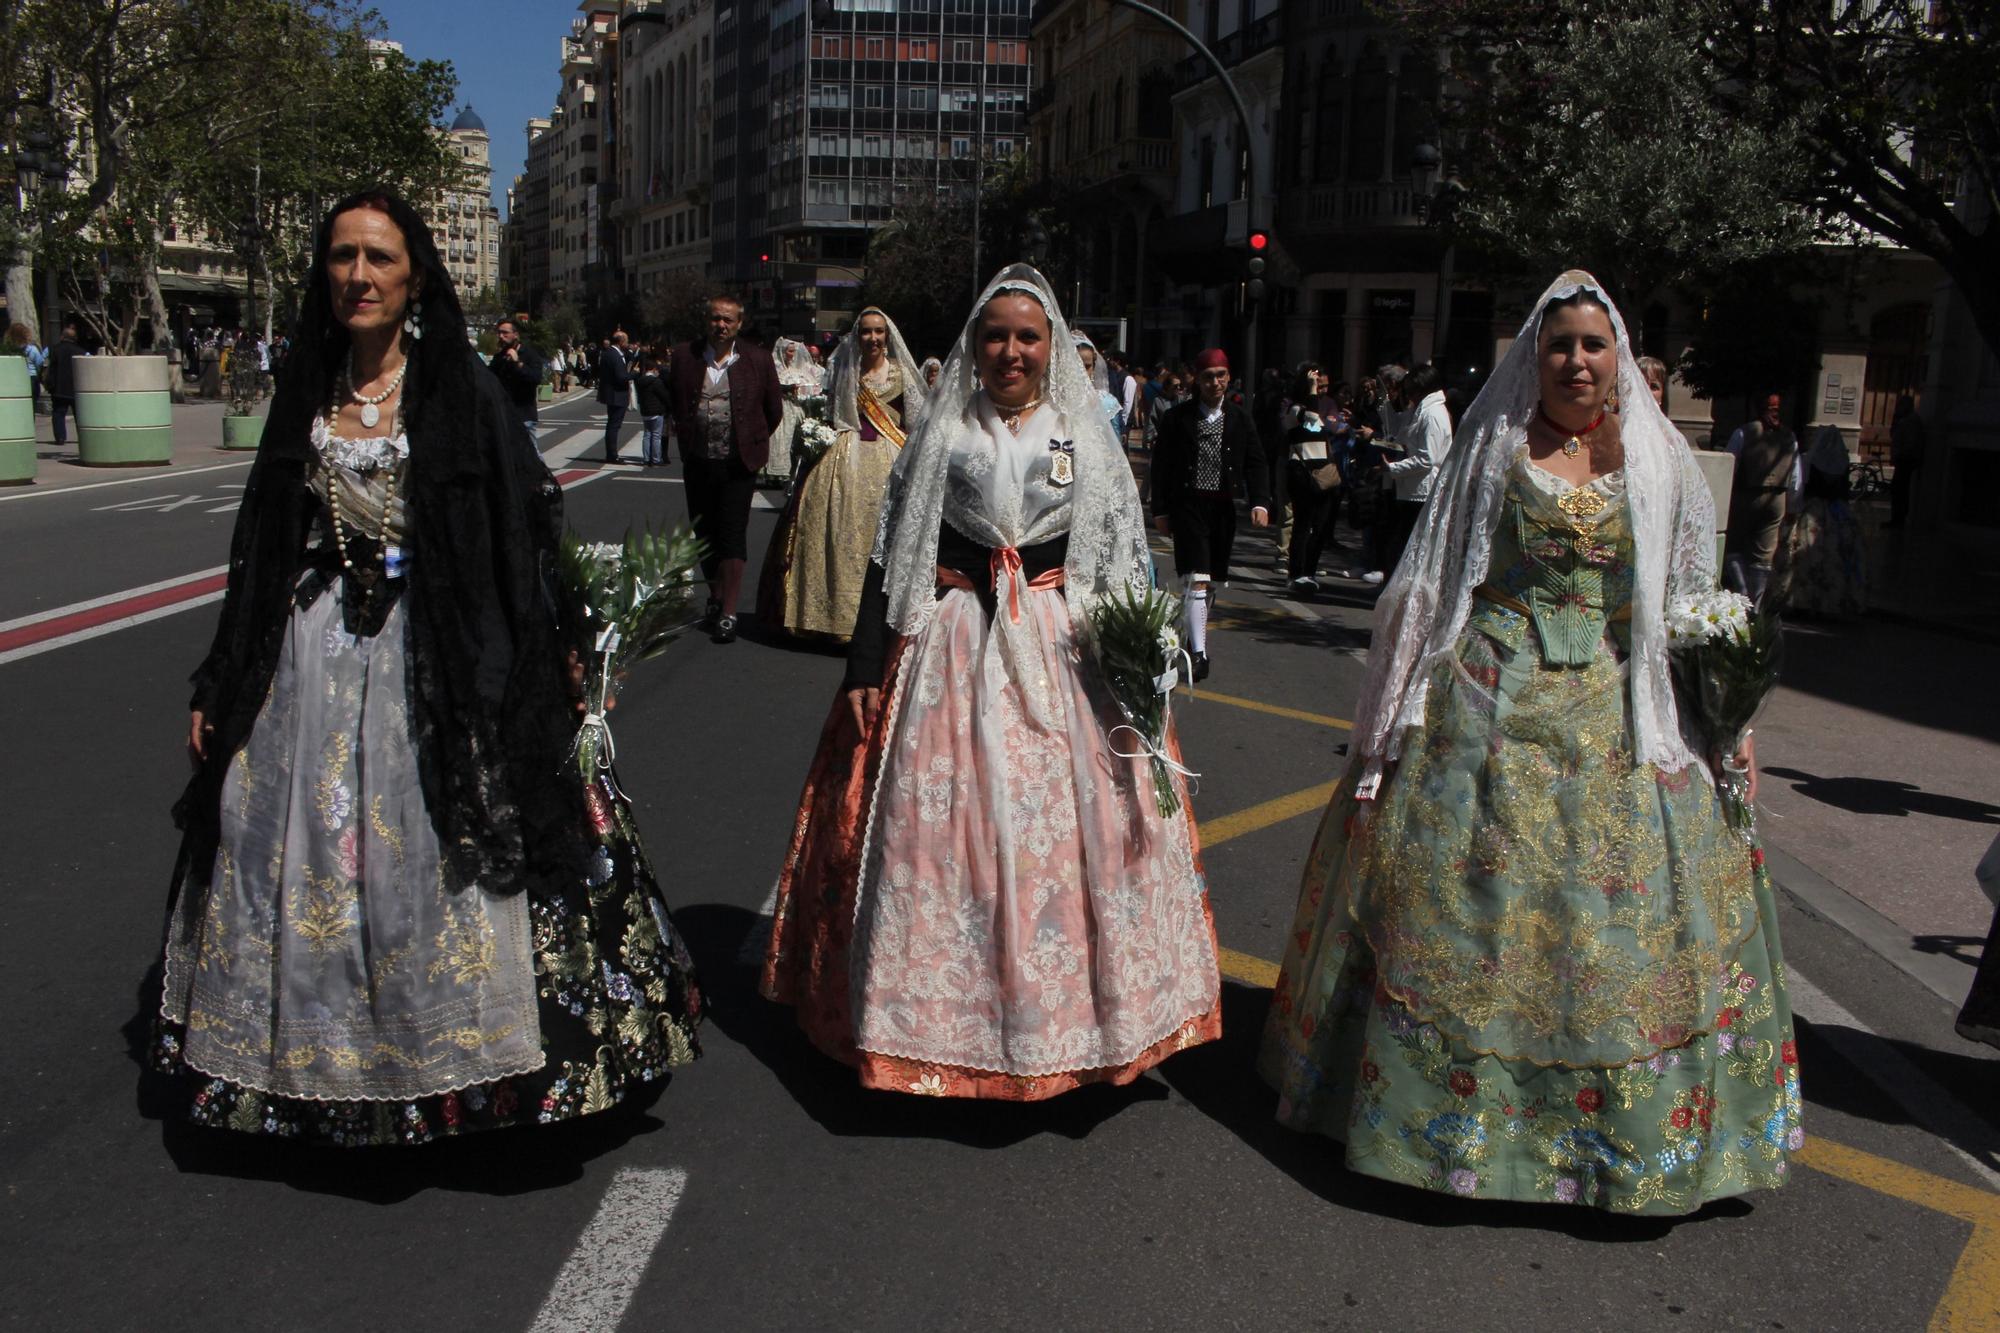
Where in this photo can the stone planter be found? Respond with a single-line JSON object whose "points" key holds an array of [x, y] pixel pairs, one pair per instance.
{"points": [[17, 423], [242, 432], [124, 411]]}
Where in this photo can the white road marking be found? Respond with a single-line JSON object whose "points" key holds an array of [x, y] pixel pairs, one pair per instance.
{"points": [[57, 613], [150, 613], [165, 504], [169, 475], [108, 627], [602, 1273], [1934, 1110]]}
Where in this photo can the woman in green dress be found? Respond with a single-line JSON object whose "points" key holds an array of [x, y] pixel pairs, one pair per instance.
{"points": [[1531, 961]]}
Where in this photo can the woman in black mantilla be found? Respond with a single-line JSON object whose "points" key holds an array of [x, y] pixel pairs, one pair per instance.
{"points": [[395, 915]]}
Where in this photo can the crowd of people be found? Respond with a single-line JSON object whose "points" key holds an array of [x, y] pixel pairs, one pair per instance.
{"points": [[1531, 960]]}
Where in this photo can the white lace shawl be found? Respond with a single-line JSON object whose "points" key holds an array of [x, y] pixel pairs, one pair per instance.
{"points": [[796, 367], [1107, 530], [843, 376], [1100, 372], [1423, 609]]}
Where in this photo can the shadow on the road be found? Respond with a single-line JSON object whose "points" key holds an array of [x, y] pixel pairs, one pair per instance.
{"points": [[830, 1093], [1879, 796], [1843, 1069], [1871, 664], [518, 1160], [1218, 1079], [1967, 949]]}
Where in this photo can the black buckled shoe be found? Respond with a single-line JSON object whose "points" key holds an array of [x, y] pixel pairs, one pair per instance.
{"points": [[710, 614], [1200, 667], [725, 630]]}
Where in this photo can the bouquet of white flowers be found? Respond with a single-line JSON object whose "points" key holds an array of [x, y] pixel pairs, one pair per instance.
{"points": [[1137, 649], [631, 599], [1725, 658], [816, 433]]}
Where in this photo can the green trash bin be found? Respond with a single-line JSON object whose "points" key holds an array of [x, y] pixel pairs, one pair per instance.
{"points": [[124, 412], [17, 423], [546, 393]]}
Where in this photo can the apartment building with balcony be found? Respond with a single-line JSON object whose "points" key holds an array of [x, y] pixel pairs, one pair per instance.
{"points": [[871, 102], [666, 82], [582, 181], [465, 225], [1101, 124], [527, 229]]}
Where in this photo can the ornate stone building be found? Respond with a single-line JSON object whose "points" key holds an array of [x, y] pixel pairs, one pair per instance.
{"points": [[466, 226]]}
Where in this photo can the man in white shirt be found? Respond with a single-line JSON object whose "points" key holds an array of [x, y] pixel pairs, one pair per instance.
{"points": [[1425, 439]]}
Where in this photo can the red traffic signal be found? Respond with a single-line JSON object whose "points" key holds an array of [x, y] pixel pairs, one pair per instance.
{"points": [[1259, 242], [764, 258]]}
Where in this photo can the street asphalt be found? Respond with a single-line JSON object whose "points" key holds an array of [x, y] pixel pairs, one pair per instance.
{"points": [[761, 1188]]}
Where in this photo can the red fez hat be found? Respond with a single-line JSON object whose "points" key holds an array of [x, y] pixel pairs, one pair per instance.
{"points": [[1212, 358]]}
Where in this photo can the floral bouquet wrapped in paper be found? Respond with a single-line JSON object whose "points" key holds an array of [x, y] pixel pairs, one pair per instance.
{"points": [[1725, 658], [620, 602], [1136, 647], [816, 433]]}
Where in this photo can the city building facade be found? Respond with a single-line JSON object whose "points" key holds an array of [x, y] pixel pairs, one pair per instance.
{"points": [[1101, 126], [582, 179], [465, 225], [871, 102], [666, 104]]}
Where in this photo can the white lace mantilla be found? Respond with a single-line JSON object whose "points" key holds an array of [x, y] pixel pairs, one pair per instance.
{"points": [[1425, 605]]}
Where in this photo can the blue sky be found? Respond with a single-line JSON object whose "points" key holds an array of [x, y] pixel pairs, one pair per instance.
{"points": [[505, 52]]}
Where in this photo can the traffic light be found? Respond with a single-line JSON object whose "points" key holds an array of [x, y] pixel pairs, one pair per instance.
{"points": [[1258, 243]]}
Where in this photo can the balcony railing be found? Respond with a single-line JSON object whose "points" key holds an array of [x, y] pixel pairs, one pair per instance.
{"points": [[1232, 51], [1333, 207]]}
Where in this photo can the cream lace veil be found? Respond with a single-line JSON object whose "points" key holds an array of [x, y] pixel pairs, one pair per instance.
{"points": [[843, 375], [1107, 538], [1424, 608]]}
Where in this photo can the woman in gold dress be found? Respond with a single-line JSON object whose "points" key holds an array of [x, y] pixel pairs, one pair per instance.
{"points": [[819, 554]]}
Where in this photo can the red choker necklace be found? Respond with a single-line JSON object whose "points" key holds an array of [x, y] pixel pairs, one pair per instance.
{"points": [[1574, 444]]}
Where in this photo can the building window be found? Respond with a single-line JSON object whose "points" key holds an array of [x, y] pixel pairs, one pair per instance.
{"points": [[961, 51], [874, 48]]}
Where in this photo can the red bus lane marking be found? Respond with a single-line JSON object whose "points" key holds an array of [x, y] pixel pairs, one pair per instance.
{"points": [[61, 627], [123, 609]]}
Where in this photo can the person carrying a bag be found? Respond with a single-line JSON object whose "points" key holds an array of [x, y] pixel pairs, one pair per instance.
{"points": [[1312, 479]]}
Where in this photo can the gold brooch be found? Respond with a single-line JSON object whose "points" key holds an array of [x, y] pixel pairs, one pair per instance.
{"points": [[1581, 504]]}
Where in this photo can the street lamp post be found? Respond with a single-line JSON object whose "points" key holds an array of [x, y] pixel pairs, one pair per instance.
{"points": [[35, 159], [1437, 201], [1256, 219]]}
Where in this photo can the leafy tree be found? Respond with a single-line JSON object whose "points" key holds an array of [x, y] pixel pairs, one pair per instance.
{"points": [[236, 118], [676, 309], [1674, 143], [920, 265]]}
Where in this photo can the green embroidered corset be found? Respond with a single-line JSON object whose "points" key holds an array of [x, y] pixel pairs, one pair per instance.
{"points": [[1561, 564]]}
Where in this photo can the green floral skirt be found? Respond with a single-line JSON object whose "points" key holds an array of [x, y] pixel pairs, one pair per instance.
{"points": [[1539, 971]]}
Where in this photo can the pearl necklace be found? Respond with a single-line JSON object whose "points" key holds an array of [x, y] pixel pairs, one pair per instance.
{"points": [[371, 410], [1012, 415], [342, 521]]}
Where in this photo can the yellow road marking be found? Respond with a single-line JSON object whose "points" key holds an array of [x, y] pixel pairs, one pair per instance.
{"points": [[1275, 710], [1971, 1301], [1215, 832], [1247, 968]]}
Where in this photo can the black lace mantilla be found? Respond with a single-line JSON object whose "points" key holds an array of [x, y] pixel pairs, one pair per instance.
{"points": [[490, 710]]}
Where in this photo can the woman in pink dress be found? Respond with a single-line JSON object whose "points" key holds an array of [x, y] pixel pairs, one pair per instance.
{"points": [[982, 898]]}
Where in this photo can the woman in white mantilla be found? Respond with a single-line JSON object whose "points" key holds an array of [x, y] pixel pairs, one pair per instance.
{"points": [[981, 897], [1531, 959], [801, 378], [818, 557]]}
